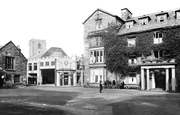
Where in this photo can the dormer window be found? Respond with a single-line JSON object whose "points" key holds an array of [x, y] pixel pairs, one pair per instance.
{"points": [[162, 17], [177, 14], [144, 20], [130, 24]]}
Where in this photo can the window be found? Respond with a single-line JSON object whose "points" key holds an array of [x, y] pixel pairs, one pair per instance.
{"points": [[161, 18], [41, 64], [131, 41], [47, 63], [129, 24], [144, 21], [35, 66], [178, 15], [158, 38], [132, 61], [39, 46], [30, 66], [98, 24], [158, 54], [9, 64], [97, 56], [52, 62], [95, 42], [96, 75]]}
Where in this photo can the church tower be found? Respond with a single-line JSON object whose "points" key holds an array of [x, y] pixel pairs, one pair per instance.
{"points": [[36, 46]]}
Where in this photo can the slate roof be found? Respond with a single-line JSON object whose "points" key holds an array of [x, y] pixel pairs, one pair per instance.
{"points": [[105, 13], [39, 55], [153, 24], [52, 50], [10, 42]]}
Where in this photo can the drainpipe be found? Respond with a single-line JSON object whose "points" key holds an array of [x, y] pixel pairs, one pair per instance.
{"points": [[55, 73]]}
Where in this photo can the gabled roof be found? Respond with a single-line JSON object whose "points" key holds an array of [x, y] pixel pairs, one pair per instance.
{"points": [[53, 49], [10, 42], [161, 13], [103, 12], [39, 55], [152, 24], [143, 17], [130, 20]]}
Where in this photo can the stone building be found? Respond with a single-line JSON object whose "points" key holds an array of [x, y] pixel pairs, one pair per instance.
{"points": [[155, 72], [12, 64], [36, 46], [153, 28], [94, 60], [53, 66]]}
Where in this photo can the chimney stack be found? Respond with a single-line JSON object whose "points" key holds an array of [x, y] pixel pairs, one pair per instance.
{"points": [[18, 46], [126, 14]]}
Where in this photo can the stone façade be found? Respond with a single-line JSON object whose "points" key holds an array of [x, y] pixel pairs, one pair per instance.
{"points": [[90, 26], [10, 49]]}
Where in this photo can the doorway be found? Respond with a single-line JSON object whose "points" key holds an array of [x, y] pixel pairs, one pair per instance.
{"points": [[66, 75], [160, 78]]}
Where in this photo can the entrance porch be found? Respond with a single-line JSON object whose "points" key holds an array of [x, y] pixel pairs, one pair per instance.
{"points": [[158, 75]]}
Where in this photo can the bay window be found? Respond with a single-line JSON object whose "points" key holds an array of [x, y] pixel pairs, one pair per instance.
{"points": [[96, 56]]}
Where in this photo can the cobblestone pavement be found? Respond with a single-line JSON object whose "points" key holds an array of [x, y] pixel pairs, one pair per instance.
{"points": [[88, 101]]}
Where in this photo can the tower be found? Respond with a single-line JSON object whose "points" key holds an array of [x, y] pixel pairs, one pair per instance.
{"points": [[36, 46]]}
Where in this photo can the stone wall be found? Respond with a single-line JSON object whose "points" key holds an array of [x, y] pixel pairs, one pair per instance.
{"points": [[20, 61], [89, 26]]}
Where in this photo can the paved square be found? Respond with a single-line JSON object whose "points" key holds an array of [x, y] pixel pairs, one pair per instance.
{"points": [[86, 101]]}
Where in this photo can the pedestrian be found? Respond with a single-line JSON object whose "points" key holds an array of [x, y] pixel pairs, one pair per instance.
{"points": [[101, 86]]}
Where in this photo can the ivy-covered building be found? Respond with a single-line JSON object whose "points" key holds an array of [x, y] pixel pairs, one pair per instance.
{"points": [[94, 56], [145, 50], [152, 42]]}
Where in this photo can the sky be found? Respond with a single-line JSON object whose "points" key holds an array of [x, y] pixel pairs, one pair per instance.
{"points": [[59, 22]]}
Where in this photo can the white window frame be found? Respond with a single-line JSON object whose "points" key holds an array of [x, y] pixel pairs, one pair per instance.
{"points": [[98, 24], [129, 24], [94, 58], [96, 75], [131, 41], [178, 15], [159, 55], [144, 21], [162, 18], [132, 61], [158, 38], [47, 63]]}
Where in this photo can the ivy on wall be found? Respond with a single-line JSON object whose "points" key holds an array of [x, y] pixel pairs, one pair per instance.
{"points": [[117, 51]]}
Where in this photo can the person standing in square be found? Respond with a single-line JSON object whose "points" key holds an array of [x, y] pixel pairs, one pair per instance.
{"points": [[100, 86]]}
